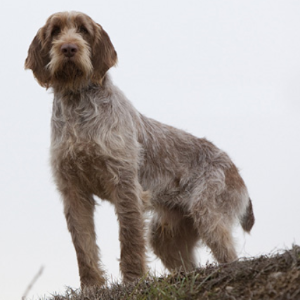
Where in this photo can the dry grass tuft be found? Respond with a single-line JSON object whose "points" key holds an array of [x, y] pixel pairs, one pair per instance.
{"points": [[275, 276]]}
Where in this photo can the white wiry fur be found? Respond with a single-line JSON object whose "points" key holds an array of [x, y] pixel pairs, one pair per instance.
{"points": [[101, 145]]}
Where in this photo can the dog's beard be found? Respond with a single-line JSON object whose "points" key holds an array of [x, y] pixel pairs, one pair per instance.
{"points": [[68, 71], [70, 74]]}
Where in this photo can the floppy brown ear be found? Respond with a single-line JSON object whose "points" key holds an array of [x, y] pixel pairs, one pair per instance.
{"points": [[37, 61], [104, 55]]}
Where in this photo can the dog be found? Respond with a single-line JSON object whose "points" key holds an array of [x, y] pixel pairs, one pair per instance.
{"points": [[102, 146]]}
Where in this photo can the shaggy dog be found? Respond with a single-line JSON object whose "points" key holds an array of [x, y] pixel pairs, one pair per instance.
{"points": [[101, 145]]}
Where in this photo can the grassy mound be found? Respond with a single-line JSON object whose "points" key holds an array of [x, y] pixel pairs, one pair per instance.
{"points": [[274, 276]]}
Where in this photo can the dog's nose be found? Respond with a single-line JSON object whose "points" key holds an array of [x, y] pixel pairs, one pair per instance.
{"points": [[69, 50]]}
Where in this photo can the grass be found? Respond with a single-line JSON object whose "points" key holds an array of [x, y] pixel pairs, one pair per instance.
{"points": [[275, 276]]}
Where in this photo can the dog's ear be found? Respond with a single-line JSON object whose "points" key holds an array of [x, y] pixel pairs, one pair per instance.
{"points": [[38, 59], [104, 55]]}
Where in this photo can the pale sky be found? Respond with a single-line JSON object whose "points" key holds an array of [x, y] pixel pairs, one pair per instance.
{"points": [[225, 70]]}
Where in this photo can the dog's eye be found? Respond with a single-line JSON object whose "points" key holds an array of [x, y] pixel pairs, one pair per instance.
{"points": [[55, 31], [82, 29]]}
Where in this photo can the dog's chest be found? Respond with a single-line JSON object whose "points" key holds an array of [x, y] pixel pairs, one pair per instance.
{"points": [[76, 155], [79, 160]]}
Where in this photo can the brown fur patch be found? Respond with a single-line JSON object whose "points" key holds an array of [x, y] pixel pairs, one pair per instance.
{"points": [[233, 179]]}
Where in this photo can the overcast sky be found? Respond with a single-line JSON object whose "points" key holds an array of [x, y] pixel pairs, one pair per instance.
{"points": [[225, 70]]}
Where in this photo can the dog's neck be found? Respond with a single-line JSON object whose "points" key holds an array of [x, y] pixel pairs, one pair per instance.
{"points": [[71, 96], [69, 104], [79, 113]]}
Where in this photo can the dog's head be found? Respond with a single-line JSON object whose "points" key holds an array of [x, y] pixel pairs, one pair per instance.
{"points": [[70, 51]]}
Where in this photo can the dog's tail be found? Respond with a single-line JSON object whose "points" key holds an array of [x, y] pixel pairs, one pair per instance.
{"points": [[247, 220]]}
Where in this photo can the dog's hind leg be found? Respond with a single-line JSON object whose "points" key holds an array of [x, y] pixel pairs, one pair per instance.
{"points": [[214, 226], [173, 239]]}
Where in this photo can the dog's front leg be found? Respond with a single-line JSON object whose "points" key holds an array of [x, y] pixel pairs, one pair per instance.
{"points": [[79, 212], [128, 205]]}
